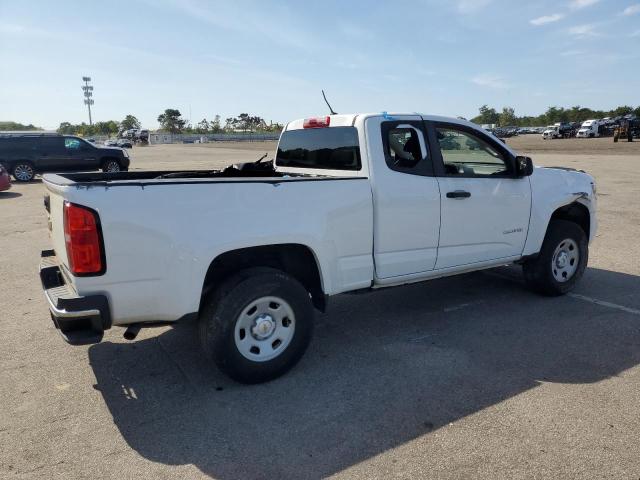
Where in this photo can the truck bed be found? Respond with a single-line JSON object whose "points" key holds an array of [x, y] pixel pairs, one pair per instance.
{"points": [[245, 172]]}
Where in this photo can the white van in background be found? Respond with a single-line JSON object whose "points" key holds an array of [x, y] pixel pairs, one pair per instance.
{"points": [[589, 129]]}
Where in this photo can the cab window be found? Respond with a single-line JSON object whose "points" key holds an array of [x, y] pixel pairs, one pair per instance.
{"points": [[405, 148], [467, 154], [72, 143]]}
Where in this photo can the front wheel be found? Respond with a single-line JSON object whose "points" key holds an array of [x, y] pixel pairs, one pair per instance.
{"points": [[111, 166], [257, 325], [562, 259]]}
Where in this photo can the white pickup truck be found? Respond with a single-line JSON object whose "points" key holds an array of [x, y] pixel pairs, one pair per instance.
{"points": [[351, 202]]}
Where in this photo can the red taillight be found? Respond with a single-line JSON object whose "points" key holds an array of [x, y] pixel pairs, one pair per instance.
{"points": [[317, 122], [83, 239]]}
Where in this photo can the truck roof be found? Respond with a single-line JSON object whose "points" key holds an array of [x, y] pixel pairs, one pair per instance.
{"points": [[349, 119]]}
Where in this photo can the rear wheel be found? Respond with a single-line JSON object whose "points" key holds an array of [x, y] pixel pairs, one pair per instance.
{"points": [[23, 171], [111, 166], [562, 259], [257, 325]]}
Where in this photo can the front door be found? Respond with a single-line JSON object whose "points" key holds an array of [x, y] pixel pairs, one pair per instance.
{"points": [[485, 208], [82, 155]]}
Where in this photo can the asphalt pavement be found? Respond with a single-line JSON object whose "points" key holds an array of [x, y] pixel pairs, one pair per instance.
{"points": [[462, 377]]}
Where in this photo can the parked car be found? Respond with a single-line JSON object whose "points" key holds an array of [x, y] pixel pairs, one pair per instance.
{"points": [[24, 155], [351, 203], [124, 143], [111, 142], [5, 179]]}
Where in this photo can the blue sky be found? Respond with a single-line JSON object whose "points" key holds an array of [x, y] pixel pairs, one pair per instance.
{"points": [[272, 58]]}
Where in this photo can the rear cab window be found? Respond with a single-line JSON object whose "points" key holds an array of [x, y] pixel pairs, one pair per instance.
{"points": [[330, 148]]}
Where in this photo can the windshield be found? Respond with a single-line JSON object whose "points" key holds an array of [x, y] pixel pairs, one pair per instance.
{"points": [[334, 148]]}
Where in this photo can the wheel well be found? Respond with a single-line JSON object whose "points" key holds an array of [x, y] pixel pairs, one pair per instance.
{"points": [[294, 259], [107, 159], [13, 163], [574, 212]]}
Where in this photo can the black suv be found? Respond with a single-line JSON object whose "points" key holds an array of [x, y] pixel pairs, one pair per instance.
{"points": [[26, 154]]}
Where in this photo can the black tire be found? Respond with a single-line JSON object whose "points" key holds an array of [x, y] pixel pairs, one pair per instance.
{"points": [[223, 309], [539, 272], [23, 171], [111, 166]]}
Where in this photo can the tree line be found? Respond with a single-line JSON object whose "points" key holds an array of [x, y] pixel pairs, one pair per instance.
{"points": [[15, 126], [108, 128], [171, 121], [508, 117]]}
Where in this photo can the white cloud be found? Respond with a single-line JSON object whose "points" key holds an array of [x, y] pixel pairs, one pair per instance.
{"points": [[471, 6], [578, 4], [490, 81], [582, 31], [632, 10], [260, 22], [546, 19]]}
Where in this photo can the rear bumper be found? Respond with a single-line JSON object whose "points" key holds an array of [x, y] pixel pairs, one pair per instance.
{"points": [[80, 320]]}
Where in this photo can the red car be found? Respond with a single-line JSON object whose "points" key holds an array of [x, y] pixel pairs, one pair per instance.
{"points": [[5, 181]]}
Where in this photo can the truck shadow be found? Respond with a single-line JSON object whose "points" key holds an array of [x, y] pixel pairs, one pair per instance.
{"points": [[384, 369], [9, 195]]}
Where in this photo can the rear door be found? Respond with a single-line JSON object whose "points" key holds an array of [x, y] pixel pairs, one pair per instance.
{"points": [[51, 153], [406, 197], [485, 208]]}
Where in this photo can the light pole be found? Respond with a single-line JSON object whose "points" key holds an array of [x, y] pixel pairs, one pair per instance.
{"points": [[88, 93]]}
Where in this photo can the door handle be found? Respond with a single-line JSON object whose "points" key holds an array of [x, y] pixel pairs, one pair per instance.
{"points": [[458, 194]]}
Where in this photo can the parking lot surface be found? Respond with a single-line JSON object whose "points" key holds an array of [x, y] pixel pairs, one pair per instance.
{"points": [[463, 377]]}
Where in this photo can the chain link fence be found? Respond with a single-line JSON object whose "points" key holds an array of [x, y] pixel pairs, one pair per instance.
{"points": [[156, 138]]}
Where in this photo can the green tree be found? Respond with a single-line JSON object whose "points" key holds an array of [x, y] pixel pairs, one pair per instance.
{"points": [[508, 117], [202, 126], [623, 110], [15, 126], [214, 125], [171, 121], [487, 115], [66, 128], [230, 124], [110, 127], [130, 122]]}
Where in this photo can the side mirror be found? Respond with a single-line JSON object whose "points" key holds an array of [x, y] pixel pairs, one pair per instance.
{"points": [[524, 166]]}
